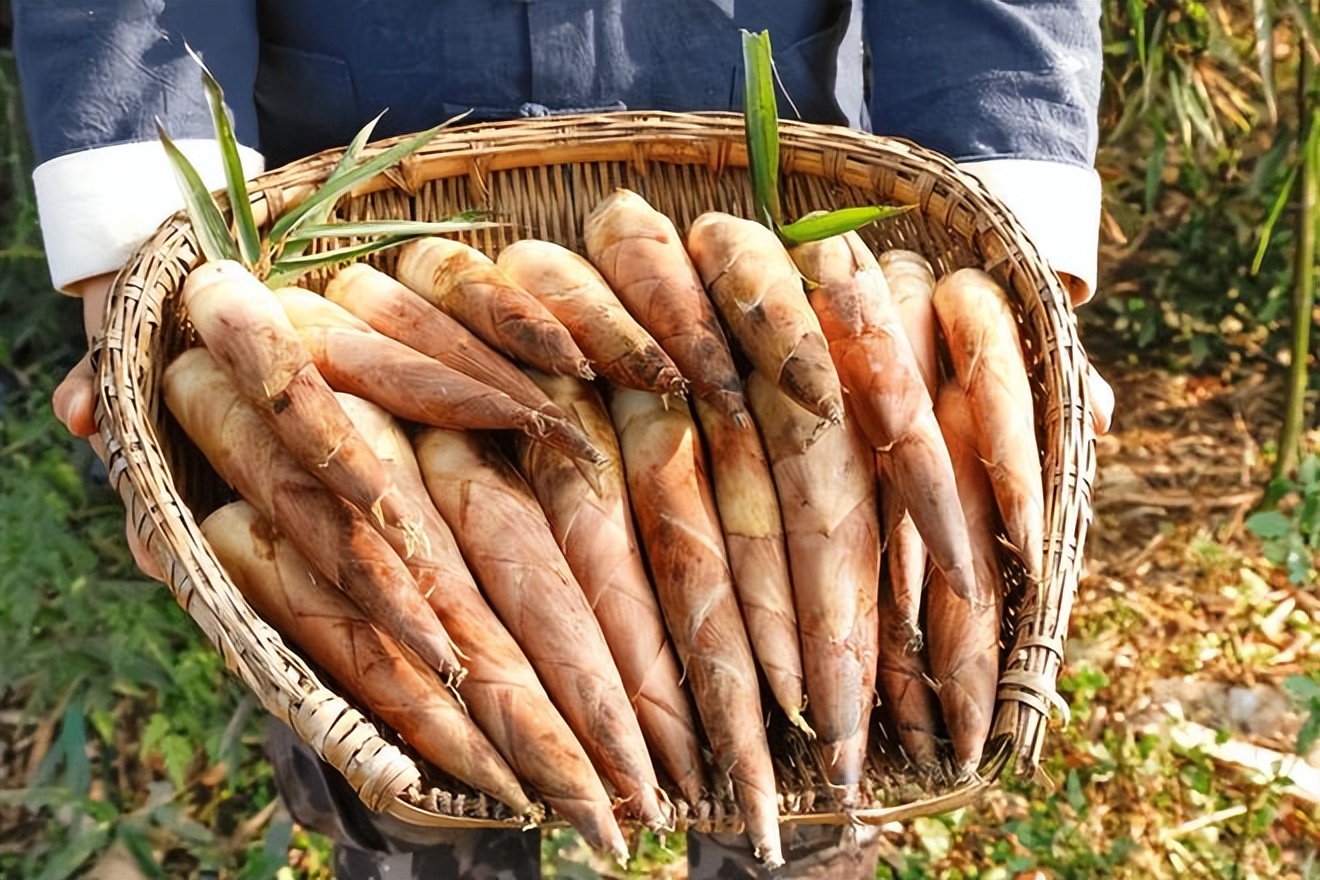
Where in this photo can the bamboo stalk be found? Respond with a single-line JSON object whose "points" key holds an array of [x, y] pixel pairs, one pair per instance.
{"points": [[1304, 271]]}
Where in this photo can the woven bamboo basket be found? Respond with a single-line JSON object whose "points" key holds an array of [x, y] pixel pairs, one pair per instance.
{"points": [[541, 177]]}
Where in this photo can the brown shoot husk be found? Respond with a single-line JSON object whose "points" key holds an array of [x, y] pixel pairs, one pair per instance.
{"points": [[501, 689], [316, 617], [337, 539], [887, 394], [466, 284], [754, 538], [911, 284], [417, 388], [758, 290], [641, 255], [905, 690], [568, 285], [905, 563], [510, 548], [392, 308], [982, 335], [679, 526], [594, 527], [964, 632], [246, 330], [826, 485]]}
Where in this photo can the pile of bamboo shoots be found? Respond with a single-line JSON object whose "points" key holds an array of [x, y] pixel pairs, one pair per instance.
{"points": [[573, 526]]}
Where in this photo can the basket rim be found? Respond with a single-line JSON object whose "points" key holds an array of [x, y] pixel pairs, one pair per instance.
{"points": [[711, 139]]}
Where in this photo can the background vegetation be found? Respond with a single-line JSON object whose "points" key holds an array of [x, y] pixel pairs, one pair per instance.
{"points": [[124, 746]]}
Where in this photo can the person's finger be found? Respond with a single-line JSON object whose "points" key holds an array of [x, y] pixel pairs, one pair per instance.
{"points": [[1079, 292], [1102, 400], [145, 561], [74, 400], [93, 292]]}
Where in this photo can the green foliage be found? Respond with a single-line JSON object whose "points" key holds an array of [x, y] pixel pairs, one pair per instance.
{"points": [[566, 857], [1057, 831], [1305, 692], [34, 323], [279, 257], [1193, 168], [761, 122], [1190, 299], [761, 127], [247, 237], [208, 220], [143, 703], [1050, 834], [815, 227], [1081, 686], [1289, 525]]}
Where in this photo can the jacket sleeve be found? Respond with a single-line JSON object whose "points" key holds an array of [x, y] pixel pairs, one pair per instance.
{"points": [[97, 73], [95, 76], [1009, 89]]}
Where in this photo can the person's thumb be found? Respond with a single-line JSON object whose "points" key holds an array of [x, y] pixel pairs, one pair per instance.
{"points": [[74, 400], [1102, 400]]}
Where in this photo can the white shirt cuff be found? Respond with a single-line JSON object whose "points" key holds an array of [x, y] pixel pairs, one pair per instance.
{"points": [[1057, 204], [98, 206]]}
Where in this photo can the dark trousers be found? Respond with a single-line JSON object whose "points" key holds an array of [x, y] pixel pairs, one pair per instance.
{"points": [[375, 847]]}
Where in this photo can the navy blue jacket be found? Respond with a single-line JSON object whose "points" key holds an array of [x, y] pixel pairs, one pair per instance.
{"points": [[970, 78]]}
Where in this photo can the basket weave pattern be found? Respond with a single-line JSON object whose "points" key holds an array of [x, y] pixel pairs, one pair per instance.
{"points": [[542, 177]]}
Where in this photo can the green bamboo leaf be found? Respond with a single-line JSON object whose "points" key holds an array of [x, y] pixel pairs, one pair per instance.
{"points": [[1201, 110], [345, 164], [1276, 210], [135, 838], [249, 239], [209, 223], [761, 126], [1308, 474], [354, 149], [374, 228], [1155, 166], [1269, 525], [820, 226], [1150, 76], [1267, 166], [175, 819], [470, 215], [1309, 732], [86, 842], [285, 271], [73, 741], [330, 192], [1180, 112], [1136, 10], [1302, 688], [1262, 21]]}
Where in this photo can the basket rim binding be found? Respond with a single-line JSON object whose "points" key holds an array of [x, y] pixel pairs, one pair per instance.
{"points": [[377, 769]]}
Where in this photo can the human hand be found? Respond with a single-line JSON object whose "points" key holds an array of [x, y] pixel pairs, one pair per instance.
{"points": [[74, 402]]}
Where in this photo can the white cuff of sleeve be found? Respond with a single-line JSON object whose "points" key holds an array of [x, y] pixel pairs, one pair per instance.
{"points": [[1057, 204], [98, 206]]}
